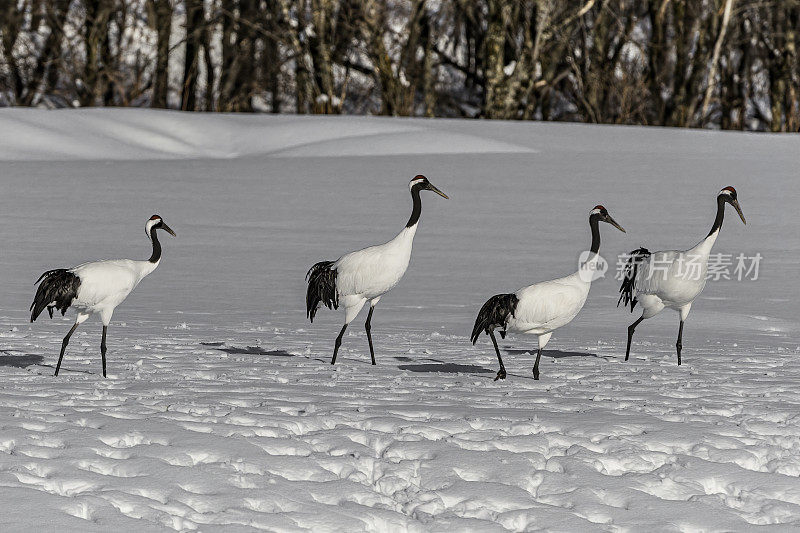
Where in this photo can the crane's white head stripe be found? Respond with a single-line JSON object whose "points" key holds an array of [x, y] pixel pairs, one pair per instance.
{"points": [[155, 219], [417, 180]]}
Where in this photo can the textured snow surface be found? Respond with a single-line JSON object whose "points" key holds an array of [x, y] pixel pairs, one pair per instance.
{"points": [[221, 412]]}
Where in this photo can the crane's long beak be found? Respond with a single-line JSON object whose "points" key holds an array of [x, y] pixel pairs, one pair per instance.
{"points": [[437, 191], [167, 229], [614, 223], [735, 205]]}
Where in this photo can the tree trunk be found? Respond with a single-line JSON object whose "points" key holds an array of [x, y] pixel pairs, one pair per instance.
{"points": [[712, 71], [162, 11], [499, 12], [195, 27], [95, 36]]}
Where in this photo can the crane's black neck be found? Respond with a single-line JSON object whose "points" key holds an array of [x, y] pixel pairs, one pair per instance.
{"points": [[156, 246], [593, 223], [720, 215], [417, 209]]}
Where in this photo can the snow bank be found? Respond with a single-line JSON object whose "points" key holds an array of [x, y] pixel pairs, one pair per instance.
{"points": [[222, 413], [130, 134]]}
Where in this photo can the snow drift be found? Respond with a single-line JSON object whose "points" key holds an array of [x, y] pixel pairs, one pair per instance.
{"points": [[222, 413]]}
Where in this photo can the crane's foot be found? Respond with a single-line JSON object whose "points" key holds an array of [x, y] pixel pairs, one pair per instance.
{"points": [[501, 374], [536, 373]]}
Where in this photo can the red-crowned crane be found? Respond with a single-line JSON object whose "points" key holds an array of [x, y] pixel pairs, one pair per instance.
{"points": [[365, 275], [542, 308], [671, 278], [95, 288]]}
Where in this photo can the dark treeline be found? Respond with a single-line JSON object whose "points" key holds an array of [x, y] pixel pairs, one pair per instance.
{"points": [[730, 64]]}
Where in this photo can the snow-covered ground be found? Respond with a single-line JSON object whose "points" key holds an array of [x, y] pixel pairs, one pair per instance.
{"points": [[221, 412]]}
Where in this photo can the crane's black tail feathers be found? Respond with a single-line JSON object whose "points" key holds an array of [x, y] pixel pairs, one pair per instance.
{"points": [[57, 290], [629, 277], [321, 288], [494, 314]]}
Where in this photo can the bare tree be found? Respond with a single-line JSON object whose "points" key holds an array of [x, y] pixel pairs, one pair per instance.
{"points": [[688, 63], [160, 16]]}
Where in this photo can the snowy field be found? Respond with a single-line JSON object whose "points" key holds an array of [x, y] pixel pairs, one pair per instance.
{"points": [[221, 411]]}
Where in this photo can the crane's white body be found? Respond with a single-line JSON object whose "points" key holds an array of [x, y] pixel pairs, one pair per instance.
{"points": [[673, 279], [95, 288], [366, 275], [106, 284], [546, 306]]}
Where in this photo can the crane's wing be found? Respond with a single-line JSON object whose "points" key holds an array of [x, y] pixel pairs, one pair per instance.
{"points": [[673, 276], [655, 274], [104, 281], [358, 272], [551, 303], [637, 261]]}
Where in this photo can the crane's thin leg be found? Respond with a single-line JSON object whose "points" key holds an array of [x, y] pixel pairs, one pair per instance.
{"points": [[536, 364], [338, 343], [501, 374], [679, 344], [631, 329], [64, 346], [368, 327], [103, 349]]}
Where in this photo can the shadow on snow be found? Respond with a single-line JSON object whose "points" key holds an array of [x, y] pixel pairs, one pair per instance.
{"points": [[247, 350], [556, 354], [23, 361], [441, 366], [19, 361]]}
